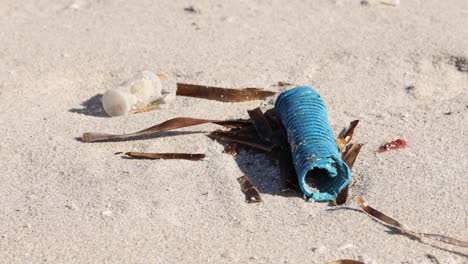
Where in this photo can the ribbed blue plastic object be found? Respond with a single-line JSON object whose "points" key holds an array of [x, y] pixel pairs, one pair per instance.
{"points": [[321, 172]]}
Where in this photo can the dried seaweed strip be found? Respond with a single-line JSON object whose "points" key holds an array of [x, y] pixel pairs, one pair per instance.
{"points": [[345, 261], [392, 222], [222, 94], [281, 83], [347, 135], [247, 132], [349, 156], [264, 131], [231, 149], [185, 156], [251, 193], [238, 135], [145, 109], [287, 173], [171, 124], [342, 196], [218, 135]]}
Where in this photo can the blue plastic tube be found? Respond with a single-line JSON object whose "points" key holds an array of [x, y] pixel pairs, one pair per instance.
{"points": [[321, 172]]}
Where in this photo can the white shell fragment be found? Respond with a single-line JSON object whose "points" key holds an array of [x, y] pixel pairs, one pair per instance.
{"points": [[390, 2], [139, 91]]}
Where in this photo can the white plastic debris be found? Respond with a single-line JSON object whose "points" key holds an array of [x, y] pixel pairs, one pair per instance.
{"points": [[139, 91]]}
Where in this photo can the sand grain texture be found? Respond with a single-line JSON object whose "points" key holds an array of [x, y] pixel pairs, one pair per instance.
{"points": [[393, 68]]}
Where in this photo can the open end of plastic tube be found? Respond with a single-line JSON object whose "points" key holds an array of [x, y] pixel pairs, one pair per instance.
{"points": [[325, 179]]}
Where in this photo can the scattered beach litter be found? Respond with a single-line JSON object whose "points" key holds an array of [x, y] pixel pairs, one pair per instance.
{"points": [[296, 132]]}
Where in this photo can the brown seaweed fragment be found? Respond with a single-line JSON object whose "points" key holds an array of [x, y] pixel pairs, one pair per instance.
{"points": [[281, 83], [145, 109], [230, 138], [344, 138], [185, 156], [404, 230], [251, 193], [222, 94], [288, 174], [261, 125], [345, 261], [171, 124], [231, 149], [349, 157], [351, 154]]}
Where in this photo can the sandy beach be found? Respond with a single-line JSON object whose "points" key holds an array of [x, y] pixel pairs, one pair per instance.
{"points": [[401, 70]]}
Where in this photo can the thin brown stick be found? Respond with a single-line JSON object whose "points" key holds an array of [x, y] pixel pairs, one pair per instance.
{"points": [[394, 223], [345, 261], [171, 124], [185, 156], [222, 94], [251, 193], [261, 125], [231, 149]]}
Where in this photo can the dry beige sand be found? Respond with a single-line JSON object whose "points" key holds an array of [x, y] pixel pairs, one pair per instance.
{"points": [[63, 201]]}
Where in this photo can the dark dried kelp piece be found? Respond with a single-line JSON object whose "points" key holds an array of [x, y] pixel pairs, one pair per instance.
{"points": [[349, 157], [222, 94], [288, 175], [223, 136], [247, 187], [344, 138], [260, 123], [394, 223], [246, 133], [342, 197], [171, 124], [231, 149], [185, 156], [351, 154], [345, 261]]}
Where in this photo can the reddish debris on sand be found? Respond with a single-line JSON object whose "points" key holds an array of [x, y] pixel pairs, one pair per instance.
{"points": [[395, 144]]}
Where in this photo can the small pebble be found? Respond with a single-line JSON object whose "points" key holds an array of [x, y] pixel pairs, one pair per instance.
{"points": [[106, 213], [71, 207]]}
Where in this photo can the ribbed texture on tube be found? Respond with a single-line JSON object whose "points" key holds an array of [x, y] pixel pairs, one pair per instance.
{"points": [[304, 116]]}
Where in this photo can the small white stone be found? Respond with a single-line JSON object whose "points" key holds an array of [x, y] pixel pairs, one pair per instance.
{"points": [[346, 246], [107, 213]]}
